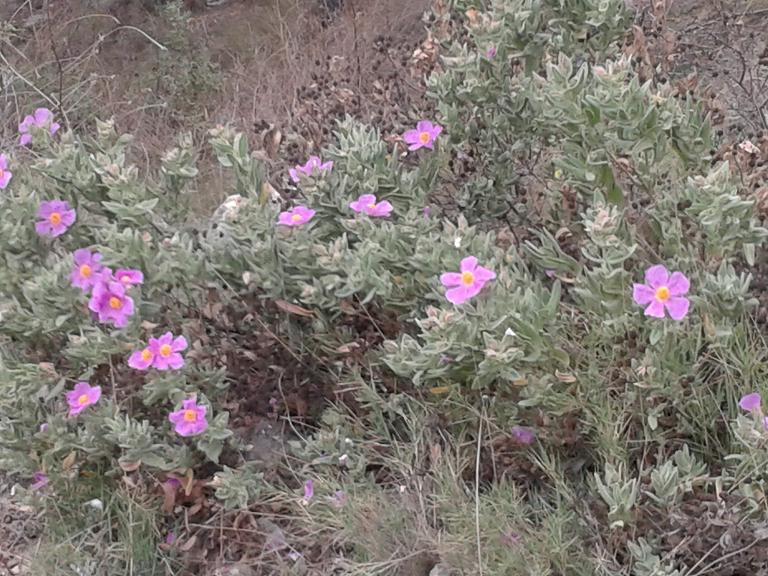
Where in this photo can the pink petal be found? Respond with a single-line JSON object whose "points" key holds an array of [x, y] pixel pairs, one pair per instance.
{"points": [[655, 309], [44, 228], [448, 279], [424, 126], [657, 276], [42, 115], [25, 139], [294, 175], [643, 294], [750, 402], [411, 136], [175, 361], [483, 274], [678, 284], [179, 343], [468, 264], [460, 294], [678, 307]]}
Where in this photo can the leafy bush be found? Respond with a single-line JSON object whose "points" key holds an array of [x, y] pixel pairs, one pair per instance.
{"points": [[535, 427]]}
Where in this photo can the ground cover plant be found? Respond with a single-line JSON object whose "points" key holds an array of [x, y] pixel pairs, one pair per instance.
{"points": [[518, 335]]}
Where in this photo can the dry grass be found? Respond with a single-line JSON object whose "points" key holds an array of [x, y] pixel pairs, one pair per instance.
{"points": [[253, 64]]}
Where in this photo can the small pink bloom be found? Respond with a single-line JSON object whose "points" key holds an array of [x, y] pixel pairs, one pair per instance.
{"points": [[190, 420], [309, 491], [129, 277], [173, 483], [41, 119], [110, 301], [166, 351], [339, 499], [87, 269], [314, 164], [82, 396], [491, 53], [40, 481], [750, 402], [468, 282], [296, 216], [424, 136], [765, 422], [427, 211], [510, 538], [367, 204], [170, 538], [662, 291], [54, 218], [141, 359], [523, 435], [44, 427], [5, 174]]}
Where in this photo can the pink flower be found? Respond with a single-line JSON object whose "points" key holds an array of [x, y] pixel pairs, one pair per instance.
{"points": [[751, 402], [129, 277], [468, 282], [5, 174], [190, 420], [313, 164], [82, 396], [170, 538], [110, 301], [339, 499], [424, 136], [662, 291], [40, 481], [87, 269], [367, 203], [166, 351], [55, 217], [491, 53], [42, 119], [141, 359], [296, 216], [309, 491], [523, 435], [173, 483]]}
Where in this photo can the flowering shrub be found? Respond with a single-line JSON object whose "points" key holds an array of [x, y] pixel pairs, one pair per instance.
{"points": [[522, 324]]}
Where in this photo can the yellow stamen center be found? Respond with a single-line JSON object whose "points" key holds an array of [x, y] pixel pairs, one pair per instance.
{"points": [[86, 271], [2, 172], [190, 415], [467, 278], [82, 400], [296, 217], [662, 294], [55, 218], [424, 137], [125, 278], [371, 206], [165, 350], [115, 303], [146, 355]]}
